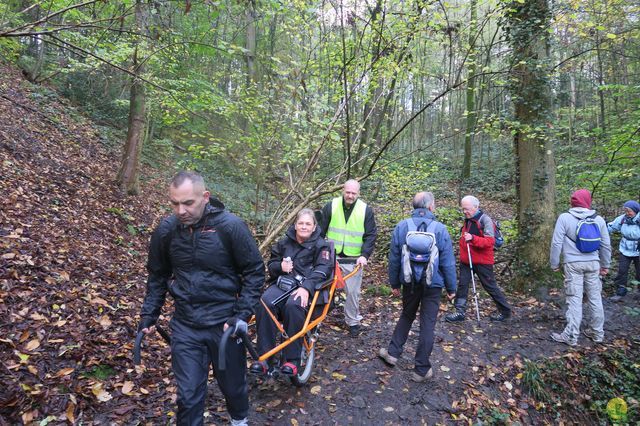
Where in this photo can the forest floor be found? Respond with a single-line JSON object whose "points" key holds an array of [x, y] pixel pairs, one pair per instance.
{"points": [[72, 256]]}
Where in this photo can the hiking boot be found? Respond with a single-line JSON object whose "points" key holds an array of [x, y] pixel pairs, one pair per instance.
{"points": [[354, 330], [241, 422], [561, 338], [289, 369], [455, 317], [419, 379], [389, 359], [592, 335], [259, 367], [500, 316]]}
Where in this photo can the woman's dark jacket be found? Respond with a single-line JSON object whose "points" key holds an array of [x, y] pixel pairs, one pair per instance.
{"points": [[213, 269], [312, 259]]}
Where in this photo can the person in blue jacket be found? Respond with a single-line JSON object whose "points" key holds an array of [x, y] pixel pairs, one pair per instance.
{"points": [[627, 224], [424, 294]]}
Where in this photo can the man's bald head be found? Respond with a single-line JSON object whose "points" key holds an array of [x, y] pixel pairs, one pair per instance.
{"points": [[351, 191]]}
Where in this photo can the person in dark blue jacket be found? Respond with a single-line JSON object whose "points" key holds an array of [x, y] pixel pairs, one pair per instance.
{"points": [[424, 294], [207, 259]]}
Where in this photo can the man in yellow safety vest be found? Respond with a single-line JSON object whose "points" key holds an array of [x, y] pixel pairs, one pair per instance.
{"points": [[349, 223]]}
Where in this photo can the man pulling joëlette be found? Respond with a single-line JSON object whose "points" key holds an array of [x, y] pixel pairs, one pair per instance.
{"points": [[349, 223], [207, 259]]}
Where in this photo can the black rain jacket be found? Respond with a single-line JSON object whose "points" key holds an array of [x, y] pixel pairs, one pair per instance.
{"points": [[213, 269], [312, 259]]}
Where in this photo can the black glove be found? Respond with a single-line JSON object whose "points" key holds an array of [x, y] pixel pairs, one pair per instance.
{"points": [[146, 322], [239, 326]]}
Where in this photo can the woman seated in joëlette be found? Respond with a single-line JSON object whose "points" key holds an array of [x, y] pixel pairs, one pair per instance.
{"points": [[301, 258]]}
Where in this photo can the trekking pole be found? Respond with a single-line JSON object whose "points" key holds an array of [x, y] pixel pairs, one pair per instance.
{"points": [[473, 282]]}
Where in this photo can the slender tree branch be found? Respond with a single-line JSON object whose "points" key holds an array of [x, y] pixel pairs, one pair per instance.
{"points": [[613, 158], [48, 17]]}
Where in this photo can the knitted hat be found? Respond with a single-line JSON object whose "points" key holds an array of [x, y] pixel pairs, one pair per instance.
{"points": [[633, 205], [581, 198]]}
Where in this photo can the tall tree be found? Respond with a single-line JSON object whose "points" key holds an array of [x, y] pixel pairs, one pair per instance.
{"points": [[527, 32], [471, 89], [128, 174]]}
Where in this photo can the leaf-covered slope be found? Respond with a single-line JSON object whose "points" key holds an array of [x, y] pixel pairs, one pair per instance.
{"points": [[71, 254]]}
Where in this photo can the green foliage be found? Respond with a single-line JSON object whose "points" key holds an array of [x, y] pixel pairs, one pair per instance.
{"points": [[253, 136], [587, 383], [132, 229], [632, 312], [509, 229], [395, 189], [493, 417], [378, 290], [157, 152], [100, 372], [9, 49], [612, 172], [533, 381], [119, 212]]}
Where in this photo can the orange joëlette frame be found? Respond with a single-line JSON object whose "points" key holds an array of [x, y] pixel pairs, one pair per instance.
{"points": [[337, 282]]}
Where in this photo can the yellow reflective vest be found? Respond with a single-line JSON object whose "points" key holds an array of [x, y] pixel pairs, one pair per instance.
{"points": [[347, 237]]}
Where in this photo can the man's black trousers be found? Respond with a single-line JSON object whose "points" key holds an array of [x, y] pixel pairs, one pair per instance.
{"points": [[193, 350], [428, 300], [488, 281]]}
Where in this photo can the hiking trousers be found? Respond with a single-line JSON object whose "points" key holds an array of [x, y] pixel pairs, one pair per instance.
{"points": [[488, 281], [192, 351], [583, 278], [428, 300], [624, 262], [352, 291]]}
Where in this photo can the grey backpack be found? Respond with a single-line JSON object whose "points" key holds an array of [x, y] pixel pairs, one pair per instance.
{"points": [[419, 253]]}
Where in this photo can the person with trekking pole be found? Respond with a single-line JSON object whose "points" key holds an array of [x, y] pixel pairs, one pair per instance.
{"points": [[473, 282], [477, 239]]}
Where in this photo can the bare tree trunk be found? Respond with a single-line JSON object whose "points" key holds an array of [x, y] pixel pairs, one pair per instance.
{"points": [[251, 42], [572, 105], [603, 125], [127, 178], [471, 86]]}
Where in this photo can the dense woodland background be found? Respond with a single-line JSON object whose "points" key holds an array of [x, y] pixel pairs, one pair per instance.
{"points": [[277, 103]]}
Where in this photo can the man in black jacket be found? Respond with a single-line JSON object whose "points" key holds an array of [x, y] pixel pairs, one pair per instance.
{"points": [[209, 262]]}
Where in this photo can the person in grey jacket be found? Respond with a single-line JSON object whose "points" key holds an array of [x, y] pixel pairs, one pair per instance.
{"points": [[627, 224], [581, 270]]}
